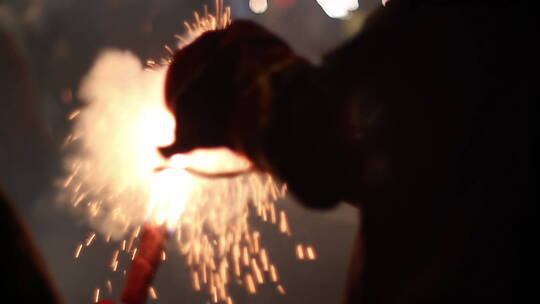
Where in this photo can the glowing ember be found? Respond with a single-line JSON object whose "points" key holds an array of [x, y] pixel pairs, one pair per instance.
{"points": [[205, 23], [116, 176], [96, 295], [152, 293], [78, 251], [109, 286], [310, 252]]}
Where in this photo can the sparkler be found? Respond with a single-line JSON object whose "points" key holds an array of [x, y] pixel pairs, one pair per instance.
{"points": [[117, 178]]}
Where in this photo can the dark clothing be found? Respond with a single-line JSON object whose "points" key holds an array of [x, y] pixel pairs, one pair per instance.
{"points": [[25, 278], [426, 120]]}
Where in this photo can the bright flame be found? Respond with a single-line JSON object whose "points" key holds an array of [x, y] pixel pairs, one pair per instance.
{"points": [[113, 156], [171, 189], [113, 168], [210, 161], [338, 8]]}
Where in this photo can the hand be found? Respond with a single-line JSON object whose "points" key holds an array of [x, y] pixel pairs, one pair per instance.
{"points": [[218, 87]]}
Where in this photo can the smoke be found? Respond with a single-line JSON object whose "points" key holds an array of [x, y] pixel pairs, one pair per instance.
{"points": [[124, 119], [112, 152], [114, 171], [115, 174]]}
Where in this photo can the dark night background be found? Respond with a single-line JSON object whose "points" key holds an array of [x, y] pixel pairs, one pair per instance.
{"points": [[57, 42]]}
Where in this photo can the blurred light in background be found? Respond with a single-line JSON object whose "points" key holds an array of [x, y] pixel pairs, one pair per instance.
{"points": [[338, 8], [258, 6]]}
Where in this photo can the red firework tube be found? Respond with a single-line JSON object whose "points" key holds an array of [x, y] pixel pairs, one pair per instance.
{"points": [[144, 265]]}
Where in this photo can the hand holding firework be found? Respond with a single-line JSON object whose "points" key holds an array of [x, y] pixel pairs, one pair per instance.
{"points": [[243, 88]]}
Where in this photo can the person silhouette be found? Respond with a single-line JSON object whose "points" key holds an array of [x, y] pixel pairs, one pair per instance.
{"points": [[424, 120]]}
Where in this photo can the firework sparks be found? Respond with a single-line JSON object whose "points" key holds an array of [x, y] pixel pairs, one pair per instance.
{"points": [[74, 114], [96, 295], [273, 273], [310, 252], [109, 286], [78, 251], [152, 293], [115, 175], [90, 239], [300, 251], [204, 23]]}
